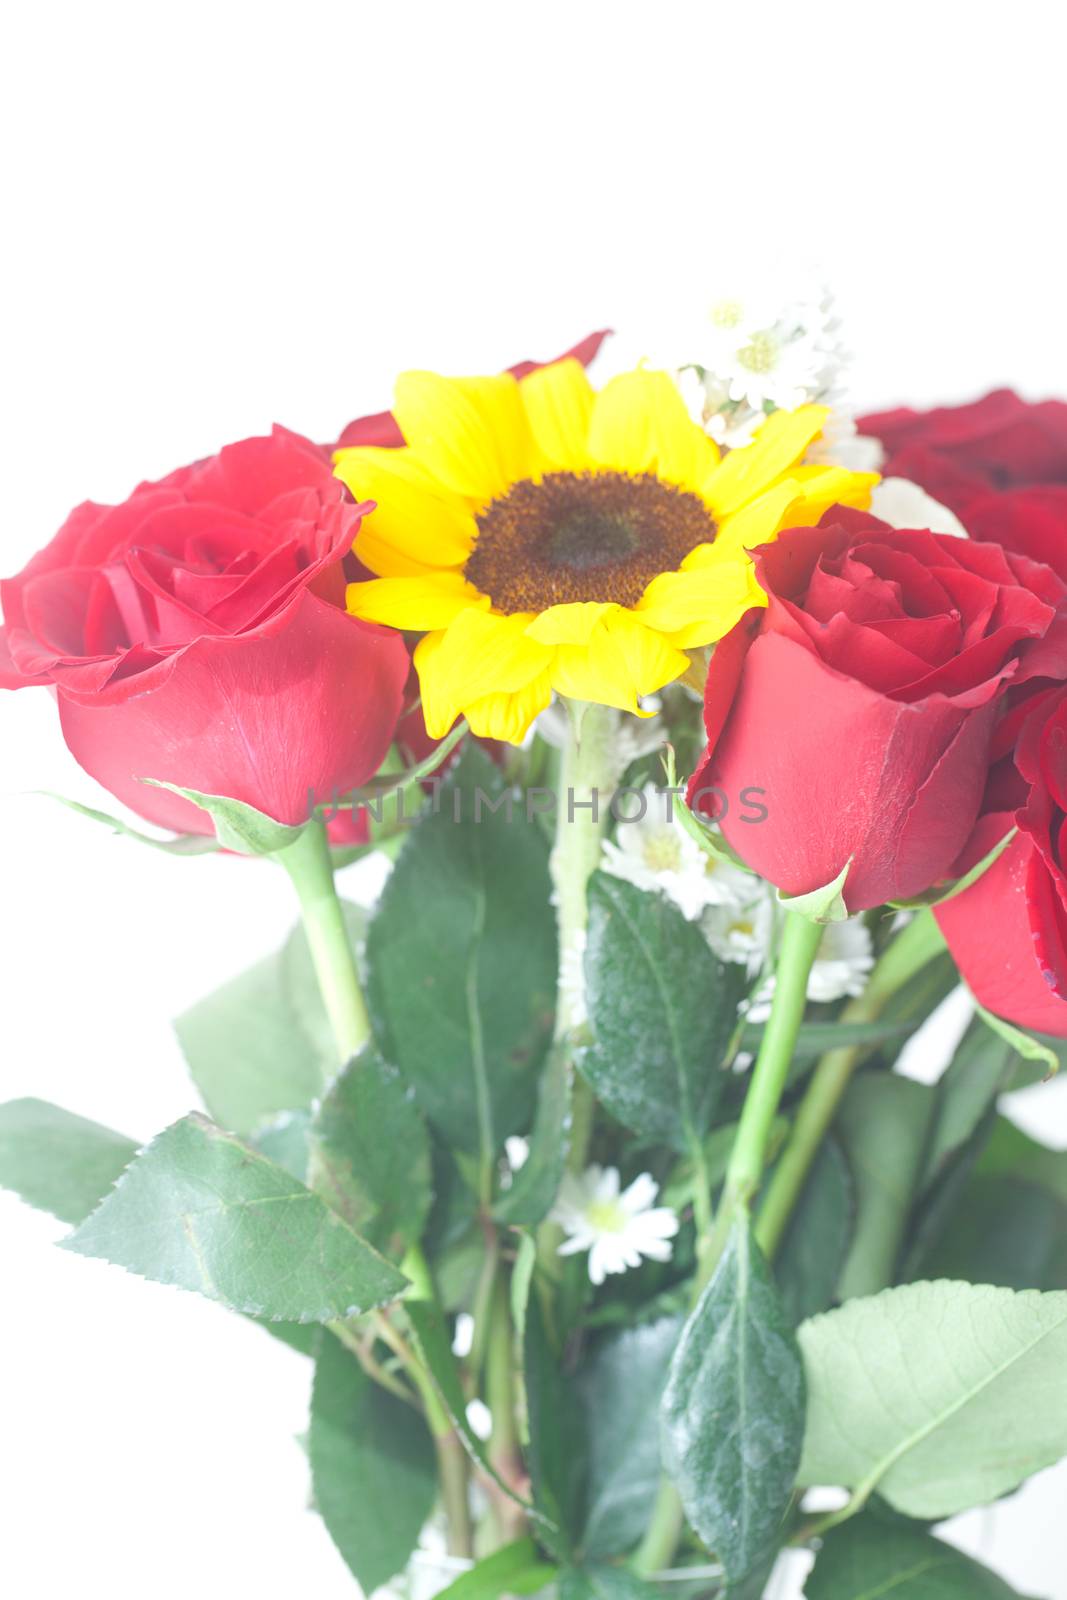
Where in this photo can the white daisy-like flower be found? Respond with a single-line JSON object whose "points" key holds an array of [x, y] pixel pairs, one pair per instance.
{"points": [[840, 970], [742, 930], [766, 349], [654, 852], [618, 1230]]}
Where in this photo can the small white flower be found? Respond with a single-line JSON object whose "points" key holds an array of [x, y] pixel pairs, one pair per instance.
{"points": [[616, 1229], [842, 963], [742, 929], [653, 851], [517, 1151]]}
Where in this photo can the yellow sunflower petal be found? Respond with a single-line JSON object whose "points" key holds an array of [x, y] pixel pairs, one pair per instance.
{"points": [[650, 660], [559, 403], [700, 605], [417, 603], [568, 624], [758, 521], [640, 424], [508, 716], [440, 705], [779, 443], [416, 524], [471, 433], [622, 660], [822, 487], [479, 655]]}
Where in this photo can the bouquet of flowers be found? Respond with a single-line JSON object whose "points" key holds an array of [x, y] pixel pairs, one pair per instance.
{"points": [[711, 740]]}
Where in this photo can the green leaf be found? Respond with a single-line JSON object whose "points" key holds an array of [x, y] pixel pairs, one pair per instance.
{"points": [[201, 1210], [516, 1569], [537, 1182], [1004, 1231], [285, 1140], [262, 1044], [57, 1161], [983, 1066], [556, 1452], [238, 826], [183, 844], [462, 960], [882, 1125], [621, 1386], [733, 1412], [815, 1245], [373, 1468], [1009, 1222], [939, 1395], [820, 905], [370, 1154], [867, 1559], [1012, 1153], [1031, 1046], [601, 1582], [434, 1346], [662, 1008], [815, 1038]]}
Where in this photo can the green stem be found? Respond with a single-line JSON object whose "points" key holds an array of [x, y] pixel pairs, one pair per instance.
{"points": [[505, 1452], [796, 952], [452, 1463], [307, 861], [587, 777], [908, 953], [586, 785]]}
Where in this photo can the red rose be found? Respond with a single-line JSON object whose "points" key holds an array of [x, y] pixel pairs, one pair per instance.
{"points": [[382, 428], [957, 453], [1000, 464], [860, 704], [197, 634], [1008, 932]]}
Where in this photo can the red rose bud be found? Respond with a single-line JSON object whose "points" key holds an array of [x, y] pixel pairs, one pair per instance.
{"points": [[197, 634], [862, 701], [1008, 931]]}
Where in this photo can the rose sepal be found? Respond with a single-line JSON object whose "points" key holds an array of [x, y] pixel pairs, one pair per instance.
{"points": [[238, 826], [820, 905], [711, 841], [1028, 1045], [182, 844]]}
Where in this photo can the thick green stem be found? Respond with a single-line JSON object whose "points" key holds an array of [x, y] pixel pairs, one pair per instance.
{"points": [[588, 773], [586, 784], [908, 953], [800, 941], [307, 861]]}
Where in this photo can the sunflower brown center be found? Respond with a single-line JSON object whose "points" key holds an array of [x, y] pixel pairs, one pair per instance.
{"points": [[583, 536]]}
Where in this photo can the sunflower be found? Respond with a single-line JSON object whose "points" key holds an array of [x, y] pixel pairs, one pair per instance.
{"points": [[546, 537]]}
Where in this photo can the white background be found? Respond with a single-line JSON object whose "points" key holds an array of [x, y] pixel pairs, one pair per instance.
{"points": [[221, 215]]}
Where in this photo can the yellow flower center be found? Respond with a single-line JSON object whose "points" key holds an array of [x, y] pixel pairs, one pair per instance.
{"points": [[574, 536], [663, 851], [726, 313], [760, 353], [607, 1216]]}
